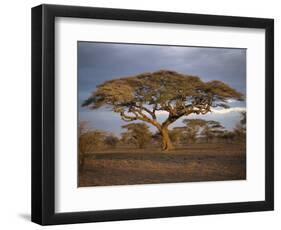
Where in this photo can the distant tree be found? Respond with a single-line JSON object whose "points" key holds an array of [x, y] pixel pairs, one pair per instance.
{"points": [[111, 140], [240, 128], [176, 135], [137, 134], [83, 129], [243, 119], [94, 139], [193, 128], [88, 142], [88, 139], [211, 130], [227, 136], [156, 138], [140, 97]]}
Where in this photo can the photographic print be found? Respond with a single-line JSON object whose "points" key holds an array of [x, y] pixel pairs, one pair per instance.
{"points": [[131, 106], [160, 114]]}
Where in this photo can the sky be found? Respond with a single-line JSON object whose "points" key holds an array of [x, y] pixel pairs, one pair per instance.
{"points": [[98, 62]]}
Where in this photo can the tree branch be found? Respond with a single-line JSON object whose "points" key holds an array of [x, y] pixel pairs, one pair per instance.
{"points": [[127, 118], [151, 113], [138, 116]]}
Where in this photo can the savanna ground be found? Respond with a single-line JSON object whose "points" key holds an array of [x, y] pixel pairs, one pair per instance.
{"points": [[194, 162]]}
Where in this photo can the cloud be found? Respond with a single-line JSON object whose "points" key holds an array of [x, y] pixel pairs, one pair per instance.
{"points": [[213, 111], [104, 61], [229, 110]]}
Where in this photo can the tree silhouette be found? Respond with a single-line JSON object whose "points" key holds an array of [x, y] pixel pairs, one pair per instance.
{"points": [[240, 128], [143, 96], [228, 136]]}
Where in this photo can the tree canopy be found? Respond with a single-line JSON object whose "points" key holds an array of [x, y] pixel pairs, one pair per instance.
{"points": [[140, 97]]}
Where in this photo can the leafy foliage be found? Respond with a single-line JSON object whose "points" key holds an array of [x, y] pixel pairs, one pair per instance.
{"points": [[137, 134], [88, 140], [111, 140], [140, 97], [228, 136], [240, 128], [193, 128], [212, 129], [164, 90]]}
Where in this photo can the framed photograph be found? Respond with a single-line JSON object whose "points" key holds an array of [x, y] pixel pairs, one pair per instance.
{"points": [[142, 114]]}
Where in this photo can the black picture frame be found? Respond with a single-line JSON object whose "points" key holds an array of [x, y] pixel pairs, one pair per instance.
{"points": [[43, 114]]}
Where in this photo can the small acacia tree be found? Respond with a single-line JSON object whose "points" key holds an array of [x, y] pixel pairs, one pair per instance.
{"points": [[111, 140], [212, 129], [137, 133], [88, 140], [228, 136], [240, 128], [193, 128], [83, 129], [140, 97]]}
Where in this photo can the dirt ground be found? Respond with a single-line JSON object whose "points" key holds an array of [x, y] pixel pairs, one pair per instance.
{"points": [[196, 162]]}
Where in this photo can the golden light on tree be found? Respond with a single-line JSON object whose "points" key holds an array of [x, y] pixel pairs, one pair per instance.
{"points": [[140, 97]]}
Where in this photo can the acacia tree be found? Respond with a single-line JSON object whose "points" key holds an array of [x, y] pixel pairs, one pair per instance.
{"points": [[212, 129], [193, 127], [111, 140], [228, 136], [83, 129], [140, 97], [240, 128], [137, 133], [88, 139]]}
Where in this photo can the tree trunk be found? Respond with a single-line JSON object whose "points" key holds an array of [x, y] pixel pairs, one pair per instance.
{"points": [[166, 141]]}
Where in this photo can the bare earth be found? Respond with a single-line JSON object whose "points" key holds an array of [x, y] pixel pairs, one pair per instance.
{"points": [[196, 162]]}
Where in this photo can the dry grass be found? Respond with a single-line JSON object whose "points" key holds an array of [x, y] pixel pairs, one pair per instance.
{"points": [[197, 162]]}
